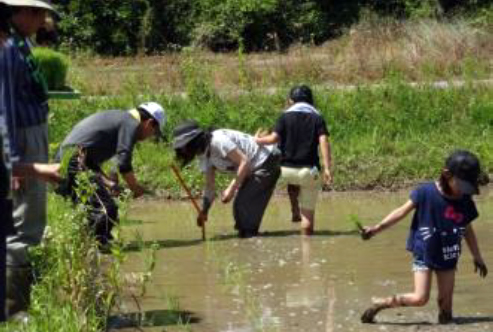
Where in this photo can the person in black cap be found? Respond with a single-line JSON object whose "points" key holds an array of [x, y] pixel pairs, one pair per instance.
{"points": [[444, 212], [256, 170], [301, 132]]}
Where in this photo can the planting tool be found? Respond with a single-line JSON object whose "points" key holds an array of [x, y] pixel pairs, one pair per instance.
{"points": [[187, 190]]}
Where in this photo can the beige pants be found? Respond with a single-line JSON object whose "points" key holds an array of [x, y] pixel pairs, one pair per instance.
{"points": [[309, 181]]}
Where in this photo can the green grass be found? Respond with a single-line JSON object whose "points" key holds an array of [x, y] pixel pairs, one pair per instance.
{"points": [[387, 136]]}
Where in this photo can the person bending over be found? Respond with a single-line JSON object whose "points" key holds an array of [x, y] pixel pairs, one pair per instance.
{"points": [[97, 139], [255, 168]]}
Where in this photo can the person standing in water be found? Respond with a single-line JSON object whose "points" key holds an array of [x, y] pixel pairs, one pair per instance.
{"points": [[256, 170], [301, 132], [98, 138], [443, 213]]}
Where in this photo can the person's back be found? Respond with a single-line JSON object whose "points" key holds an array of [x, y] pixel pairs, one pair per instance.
{"points": [[96, 139], [225, 140], [299, 138], [300, 132], [103, 135]]}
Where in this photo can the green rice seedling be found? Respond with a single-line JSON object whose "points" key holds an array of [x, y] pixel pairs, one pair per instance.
{"points": [[53, 66], [356, 221]]}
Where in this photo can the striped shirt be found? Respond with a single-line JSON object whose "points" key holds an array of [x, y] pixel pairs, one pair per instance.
{"points": [[26, 107], [5, 159], [7, 130]]}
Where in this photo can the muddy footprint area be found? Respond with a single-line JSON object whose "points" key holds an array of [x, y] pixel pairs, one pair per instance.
{"points": [[281, 281]]}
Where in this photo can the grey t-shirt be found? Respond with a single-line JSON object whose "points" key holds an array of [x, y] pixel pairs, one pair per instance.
{"points": [[226, 140], [104, 135]]}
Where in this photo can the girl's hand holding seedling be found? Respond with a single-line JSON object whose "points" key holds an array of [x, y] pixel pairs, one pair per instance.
{"points": [[365, 232], [368, 232], [480, 267]]}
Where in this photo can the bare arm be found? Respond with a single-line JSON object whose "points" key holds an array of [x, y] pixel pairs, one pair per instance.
{"points": [[472, 244], [237, 157], [326, 152], [132, 183], [45, 172], [209, 195], [272, 138], [391, 219], [210, 190]]}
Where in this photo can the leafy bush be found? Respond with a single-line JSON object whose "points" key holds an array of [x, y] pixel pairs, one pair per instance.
{"points": [[107, 27], [132, 26], [53, 66], [260, 24]]}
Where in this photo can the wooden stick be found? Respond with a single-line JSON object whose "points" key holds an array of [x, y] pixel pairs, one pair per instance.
{"points": [[194, 203]]}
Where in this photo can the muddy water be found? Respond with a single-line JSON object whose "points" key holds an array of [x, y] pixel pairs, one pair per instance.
{"points": [[283, 282]]}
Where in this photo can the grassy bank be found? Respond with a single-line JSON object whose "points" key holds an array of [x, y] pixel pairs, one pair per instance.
{"points": [[75, 286], [369, 52], [383, 136], [385, 133]]}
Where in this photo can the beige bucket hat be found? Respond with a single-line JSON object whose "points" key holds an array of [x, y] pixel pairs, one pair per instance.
{"points": [[46, 4]]}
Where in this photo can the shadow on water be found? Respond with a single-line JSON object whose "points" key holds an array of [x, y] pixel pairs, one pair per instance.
{"points": [[316, 233], [473, 320], [286, 233], [457, 321], [152, 318], [411, 323], [135, 246]]}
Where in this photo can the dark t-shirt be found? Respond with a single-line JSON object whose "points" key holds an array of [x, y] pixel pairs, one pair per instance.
{"points": [[438, 226], [104, 135], [299, 134]]}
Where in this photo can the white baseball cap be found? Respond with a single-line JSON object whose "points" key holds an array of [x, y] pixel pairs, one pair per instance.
{"points": [[157, 112], [46, 4]]}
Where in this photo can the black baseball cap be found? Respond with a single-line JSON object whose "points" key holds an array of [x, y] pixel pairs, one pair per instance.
{"points": [[466, 169], [186, 132]]}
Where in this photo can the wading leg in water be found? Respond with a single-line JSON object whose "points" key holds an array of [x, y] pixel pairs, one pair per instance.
{"points": [[445, 283], [419, 298], [293, 192]]}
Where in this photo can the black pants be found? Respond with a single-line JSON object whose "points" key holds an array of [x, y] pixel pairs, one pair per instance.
{"points": [[6, 224], [254, 195], [102, 208]]}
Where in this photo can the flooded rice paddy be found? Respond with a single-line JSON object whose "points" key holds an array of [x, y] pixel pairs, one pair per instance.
{"points": [[284, 282]]}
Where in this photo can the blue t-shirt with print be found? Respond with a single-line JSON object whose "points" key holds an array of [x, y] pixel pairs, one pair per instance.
{"points": [[438, 226]]}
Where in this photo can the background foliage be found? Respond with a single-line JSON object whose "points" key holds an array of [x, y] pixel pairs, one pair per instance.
{"points": [[131, 26]]}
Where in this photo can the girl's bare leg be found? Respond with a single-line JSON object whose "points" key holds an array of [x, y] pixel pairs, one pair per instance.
{"points": [[445, 283], [420, 296]]}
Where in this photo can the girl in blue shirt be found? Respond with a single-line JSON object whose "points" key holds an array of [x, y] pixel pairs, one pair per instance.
{"points": [[443, 213]]}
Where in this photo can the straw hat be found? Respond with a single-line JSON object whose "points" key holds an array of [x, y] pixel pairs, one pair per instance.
{"points": [[46, 4]]}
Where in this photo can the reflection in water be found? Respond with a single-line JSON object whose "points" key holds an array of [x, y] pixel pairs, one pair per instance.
{"points": [[285, 282], [309, 291], [312, 290]]}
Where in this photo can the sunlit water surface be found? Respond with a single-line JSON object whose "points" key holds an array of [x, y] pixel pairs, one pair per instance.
{"points": [[284, 282]]}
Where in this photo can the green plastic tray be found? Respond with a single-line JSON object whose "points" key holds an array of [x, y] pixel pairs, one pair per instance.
{"points": [[65, 94]]}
